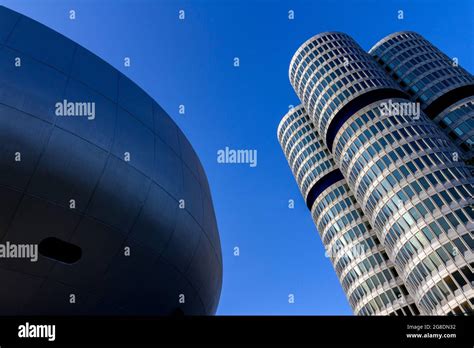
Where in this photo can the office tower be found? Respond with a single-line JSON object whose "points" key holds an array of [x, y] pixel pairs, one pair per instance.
{"points": [[443, 88], [399, 165], [116, 199], [368, 277]]}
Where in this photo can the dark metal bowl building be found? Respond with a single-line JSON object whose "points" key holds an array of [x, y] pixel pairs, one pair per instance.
{"points": [[118, 203]]}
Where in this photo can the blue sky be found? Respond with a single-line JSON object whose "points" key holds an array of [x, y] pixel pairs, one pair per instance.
{"points": [[190, 62]]}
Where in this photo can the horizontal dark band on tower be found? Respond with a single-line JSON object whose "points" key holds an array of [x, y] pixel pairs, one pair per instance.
{"points": [[355, 105], [322, 184], [448, 99]]}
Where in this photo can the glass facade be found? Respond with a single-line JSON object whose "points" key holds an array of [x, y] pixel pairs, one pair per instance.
{"points": [[308, 157], [434, 80], [403, 171], [331, 70], [418, 198], [368, 277], [458, 122]]}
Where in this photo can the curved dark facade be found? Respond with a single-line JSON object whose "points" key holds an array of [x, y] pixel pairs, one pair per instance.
{"points": [[112, 185]]}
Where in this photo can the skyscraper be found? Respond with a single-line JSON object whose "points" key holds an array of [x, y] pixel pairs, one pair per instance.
{"points": [[443, 88], [402, 168], [368, 277]]}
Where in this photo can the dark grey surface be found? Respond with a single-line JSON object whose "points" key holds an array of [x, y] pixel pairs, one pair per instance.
{"points": [[173, 251]]}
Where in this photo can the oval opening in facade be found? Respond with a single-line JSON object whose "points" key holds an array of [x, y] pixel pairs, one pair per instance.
{"points": [[59, 250]]}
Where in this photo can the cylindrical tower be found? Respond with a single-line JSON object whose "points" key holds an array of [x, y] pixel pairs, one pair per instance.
{"points": [[368, 277], [333, 77], [443, 88], [398, 164], [458, 122]]}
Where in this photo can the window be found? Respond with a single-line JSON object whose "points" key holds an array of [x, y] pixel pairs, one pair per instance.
{"points": [[450, 249], [459, 245], [459, 279], [442, 254]]}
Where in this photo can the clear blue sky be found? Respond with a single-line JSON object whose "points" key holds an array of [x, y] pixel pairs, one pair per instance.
{"points": [[191, 62]]}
